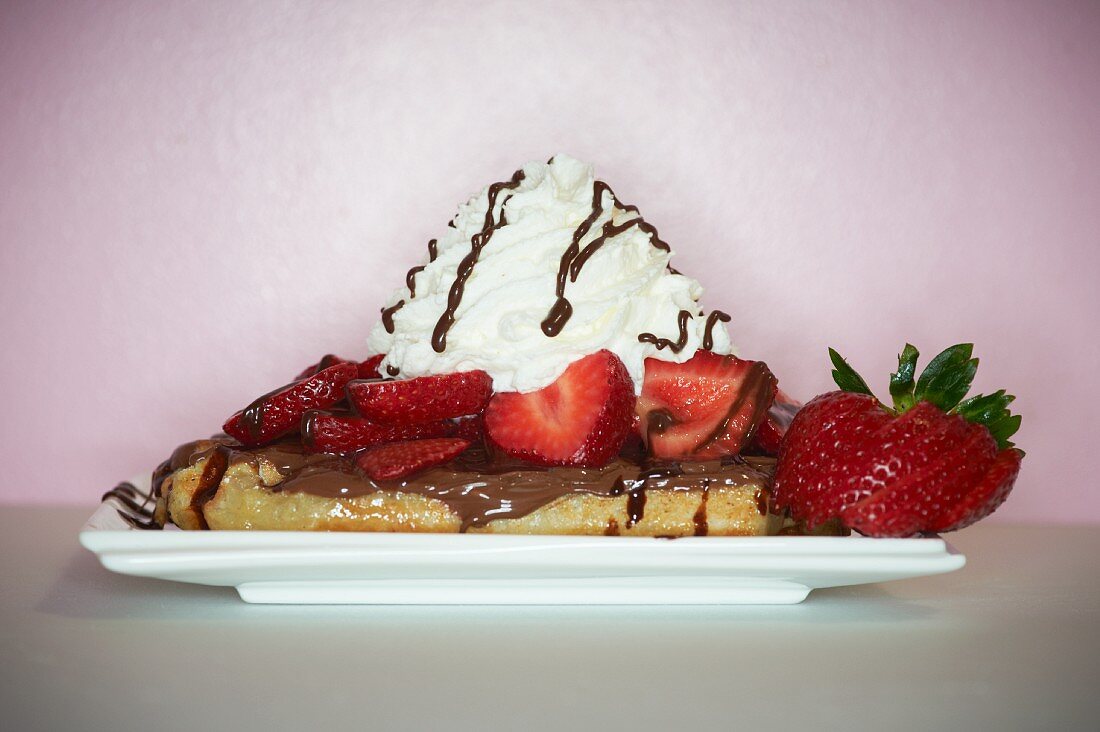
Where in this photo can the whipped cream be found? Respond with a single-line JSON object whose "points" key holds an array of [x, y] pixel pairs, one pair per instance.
{"points": [[499, 287]]}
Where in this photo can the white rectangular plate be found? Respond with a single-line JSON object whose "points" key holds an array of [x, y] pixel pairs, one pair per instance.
{"points": [[478, 569]]}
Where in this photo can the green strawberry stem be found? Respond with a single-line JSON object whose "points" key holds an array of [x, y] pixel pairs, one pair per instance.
{"points": [[944, 382]]}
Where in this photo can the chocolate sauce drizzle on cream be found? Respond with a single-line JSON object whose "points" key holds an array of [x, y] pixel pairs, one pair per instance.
{"points": [[574, 257], [708, 331], [674, 346], [387, 315], [466, 266]]}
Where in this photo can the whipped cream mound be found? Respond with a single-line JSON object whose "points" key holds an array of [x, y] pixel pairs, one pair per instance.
{"points": [[497, 287]]}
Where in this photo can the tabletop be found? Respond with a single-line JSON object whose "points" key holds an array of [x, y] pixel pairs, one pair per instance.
{"points": [[1009, 642]]}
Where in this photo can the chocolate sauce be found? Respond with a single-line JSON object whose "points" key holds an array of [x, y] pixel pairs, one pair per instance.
{"points": [[574, 258], [433, 245], [478, 486], [138, 515], [392, 370], [700, 517], [466, 266], [212, 472], [750, 386], [635, 505], [387, 315], [560, 312], [410, 279], [708, 331], [674, 346], [763, 496]]}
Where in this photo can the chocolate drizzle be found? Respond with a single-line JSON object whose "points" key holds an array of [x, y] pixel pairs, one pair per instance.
{"points": [[466, 266], [574, 257], [708, 331], [433, 245], [252, 417], [635, 505], [478, 486], [410, 279], [410, 276], [700, 517], [387, 315], [750, 387], [138, 515], [674, 346]]}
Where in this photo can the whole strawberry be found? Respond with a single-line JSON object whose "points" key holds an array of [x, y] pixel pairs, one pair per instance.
{"points": [[932, 463]]}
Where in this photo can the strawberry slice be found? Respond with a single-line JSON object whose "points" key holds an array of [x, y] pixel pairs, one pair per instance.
{"points": [[770, 432], [423, 399], [369, 369], [470, 428], [280, 411], [327, 361], [401, 459], [705, 408], [985, 497], [345, 433], [583, 418]]}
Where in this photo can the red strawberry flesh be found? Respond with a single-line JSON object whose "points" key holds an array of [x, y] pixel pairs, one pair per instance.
{"points": [[328, 360], [704, 408], [985, 497], [582, 418], [423, 399], [771, 430], [280, 411], [347, 433], [369, 369], [402, 459]]}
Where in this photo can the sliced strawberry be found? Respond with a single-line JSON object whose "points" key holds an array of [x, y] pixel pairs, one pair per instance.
{"points": [[401, 459], [423, 399], [326, 361], [984, 498], [770, 432], [280, 411], [581, 419], [470, 428], [369, 369], [704, 408], [346, 433], [924, 474]]}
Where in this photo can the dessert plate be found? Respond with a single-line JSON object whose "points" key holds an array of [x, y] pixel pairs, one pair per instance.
{"points": [[478, 569]]}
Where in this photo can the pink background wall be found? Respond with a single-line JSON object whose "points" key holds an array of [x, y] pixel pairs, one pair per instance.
{"points": [[199, 198]]}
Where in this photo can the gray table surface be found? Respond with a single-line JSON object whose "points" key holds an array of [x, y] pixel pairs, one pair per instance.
{"points": [[1009, 642]]}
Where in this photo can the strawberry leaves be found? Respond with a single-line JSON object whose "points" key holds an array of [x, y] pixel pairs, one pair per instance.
{"points": [[992, 411], [947, 377], [943, 383], [901, 382], [846, 377]]}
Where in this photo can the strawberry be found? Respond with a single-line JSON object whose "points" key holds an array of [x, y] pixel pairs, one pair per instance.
{"points": [[582, 418], [423, 399], [704, 408], [280, 411], [470, 428], [369, 369], [329, 359], [401, 459], [770, 432], [345, 433], [932, 462]]}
